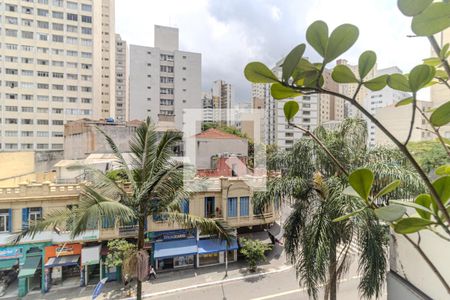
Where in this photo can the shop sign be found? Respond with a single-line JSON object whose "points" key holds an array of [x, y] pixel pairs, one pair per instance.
{"points": [[62, 251], [173, 235], [11, 252]]}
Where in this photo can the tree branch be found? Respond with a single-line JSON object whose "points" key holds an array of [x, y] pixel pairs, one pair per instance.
{"points": [[437, 49], [429, 262], [435, 131], [401, 147], [324, 148], [413, 119]]}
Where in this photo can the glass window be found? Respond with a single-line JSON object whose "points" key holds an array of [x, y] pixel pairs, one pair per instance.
{"points": [[210, 207], [86, 19], [72, 17], [185, 206], [35, 214], [244, 206], [57, 15], [86, 7], [232, 207], [4, 220]]}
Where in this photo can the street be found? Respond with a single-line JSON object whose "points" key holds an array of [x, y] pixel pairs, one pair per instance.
{"points": [[282, 285]]}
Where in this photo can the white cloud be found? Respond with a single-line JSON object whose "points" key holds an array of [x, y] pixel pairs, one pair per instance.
{"points": [[231, 33]]}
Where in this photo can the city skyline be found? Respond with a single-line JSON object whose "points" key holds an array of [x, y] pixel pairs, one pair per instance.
{"points": [[226, 36]]}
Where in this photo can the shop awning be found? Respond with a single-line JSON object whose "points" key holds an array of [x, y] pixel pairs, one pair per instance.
{"points": [[7, 264], [29, 267], [215, 245], [90, 255], [175, 248], [62, 261]]}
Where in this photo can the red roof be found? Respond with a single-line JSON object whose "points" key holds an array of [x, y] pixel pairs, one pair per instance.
{"points": [[213, 133]]}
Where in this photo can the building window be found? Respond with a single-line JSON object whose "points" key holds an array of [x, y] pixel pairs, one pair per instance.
{"points": [[86, 19], [210, 207], [5, 220], [185, 206], [35, 214], [72, 17], [232, 207], [244, 206]]}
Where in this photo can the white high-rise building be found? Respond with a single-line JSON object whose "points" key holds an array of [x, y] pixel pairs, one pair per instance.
{"points": [[379, 99], [164, 80], [223, 97], [55, 66], [277, 130], [121, 80]]}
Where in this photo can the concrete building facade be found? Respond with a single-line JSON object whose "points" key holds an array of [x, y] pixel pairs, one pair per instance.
{"points": [[163, 79], [378, 99], [50, 72], [222, 97], [121, 93]]}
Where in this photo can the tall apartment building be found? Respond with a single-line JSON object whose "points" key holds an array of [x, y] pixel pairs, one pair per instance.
{"points": [[108, 54], [223, 97], [331, 108], [383, 98], [207, 107], [163, 79], [121, 92], [349, 90], [51, 66], [277, 130]]}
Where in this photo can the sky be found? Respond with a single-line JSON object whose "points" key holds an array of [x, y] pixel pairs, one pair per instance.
{"points": [[231, 33]]}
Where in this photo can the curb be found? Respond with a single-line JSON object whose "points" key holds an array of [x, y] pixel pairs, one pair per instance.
{"points": [[206, 284]]}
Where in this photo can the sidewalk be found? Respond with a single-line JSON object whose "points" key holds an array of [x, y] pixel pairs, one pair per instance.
{"points": [[174, 280]]}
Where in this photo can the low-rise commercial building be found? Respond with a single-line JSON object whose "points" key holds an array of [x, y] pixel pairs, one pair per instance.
{"points": [[172, 246]]}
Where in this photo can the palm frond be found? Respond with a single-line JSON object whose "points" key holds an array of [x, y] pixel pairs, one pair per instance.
{"points": [[206, 225], [123, 164]]}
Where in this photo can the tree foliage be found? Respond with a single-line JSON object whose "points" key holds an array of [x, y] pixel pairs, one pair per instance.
{"points": [[254, 252]]}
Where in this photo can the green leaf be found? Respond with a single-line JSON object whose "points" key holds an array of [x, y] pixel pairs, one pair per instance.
{"points": [[317, 37], [390, 213], [398, 82], [420, 76], [341, 39], [291, 108], [441, 115], [441, 74], [389, 188], [257, 72], [442, 187], [413, 7], [416, 206], [424, 200], [443, 170], [432, 61], [405, 101], [367, 61], [343, 74], [411, 225], [361, 181], [377, 83], [432, 20], [342, 218], [280, 91], [349, 191], [292, 60], [444, 51]]}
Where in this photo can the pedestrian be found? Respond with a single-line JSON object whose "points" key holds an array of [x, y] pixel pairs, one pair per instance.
{"points": [[152, 272]]}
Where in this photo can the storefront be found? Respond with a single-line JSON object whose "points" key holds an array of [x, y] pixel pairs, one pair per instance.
{"points": [[91, 264], [26, 261], [62, 265], [175, 254], [212, 252]]}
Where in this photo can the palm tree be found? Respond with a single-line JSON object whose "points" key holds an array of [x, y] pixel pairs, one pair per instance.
{"points": [[156, 188], [312, 183]]}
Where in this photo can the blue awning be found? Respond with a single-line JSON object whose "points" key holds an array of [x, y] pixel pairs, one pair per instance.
{"points": [[175, 248], [215, 245], [63, 261]]}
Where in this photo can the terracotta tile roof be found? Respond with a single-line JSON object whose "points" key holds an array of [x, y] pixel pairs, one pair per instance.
{"points": [[213, 133]]}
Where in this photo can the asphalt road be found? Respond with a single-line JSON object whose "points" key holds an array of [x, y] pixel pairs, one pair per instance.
{"points": [[279, 286]]}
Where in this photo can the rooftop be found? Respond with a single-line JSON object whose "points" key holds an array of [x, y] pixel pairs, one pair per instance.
{"points": [[214, 133]]}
